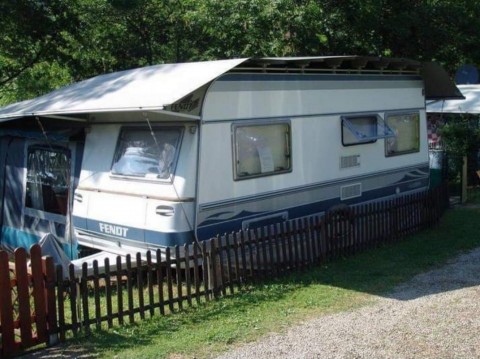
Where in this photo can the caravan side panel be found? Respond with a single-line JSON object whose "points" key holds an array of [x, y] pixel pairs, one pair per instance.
{"points": [[320, 176]]}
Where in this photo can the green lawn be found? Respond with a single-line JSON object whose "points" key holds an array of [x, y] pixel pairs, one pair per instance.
{"points": [[341, 285]]}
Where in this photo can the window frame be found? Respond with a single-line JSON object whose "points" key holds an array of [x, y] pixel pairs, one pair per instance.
{"points": [[43, 213], [406, 152], [288, 143], [146, 129], [346, 124]]}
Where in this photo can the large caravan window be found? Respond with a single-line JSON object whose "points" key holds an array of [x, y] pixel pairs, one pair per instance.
{"points": [[145, 153], [261, 149], [361, 129], [48, 175], [407, 134]]}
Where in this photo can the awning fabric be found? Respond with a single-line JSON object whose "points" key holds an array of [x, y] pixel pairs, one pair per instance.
{"points": [[154, 87], [438, 84], [147, 88], [470, 104]]}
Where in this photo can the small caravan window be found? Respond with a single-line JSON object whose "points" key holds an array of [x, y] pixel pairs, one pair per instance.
{"points": [[364, 129], [142, 153], [48, 177], [407, 134], [261, 150]]}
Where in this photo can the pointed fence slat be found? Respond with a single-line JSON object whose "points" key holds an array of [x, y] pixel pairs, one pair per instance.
{"points": [[130, 274], [61, 302], [188, 280], [118, 270], [151, 301], [6, 308], [196, 271], [160, 282], [24, 298], [108, 293]]}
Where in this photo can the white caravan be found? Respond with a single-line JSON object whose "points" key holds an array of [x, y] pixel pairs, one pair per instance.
{"points": [[182, 152]]}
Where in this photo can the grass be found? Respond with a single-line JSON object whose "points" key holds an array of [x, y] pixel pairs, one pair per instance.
{"points": [[473, 195], [344, 284]]}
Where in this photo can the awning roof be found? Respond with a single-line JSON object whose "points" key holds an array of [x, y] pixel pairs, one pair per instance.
{"points": [[154, 87], [147, 88], [471, 103]]}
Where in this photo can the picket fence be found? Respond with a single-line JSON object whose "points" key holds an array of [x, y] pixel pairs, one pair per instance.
{"points": [[39, 303]]}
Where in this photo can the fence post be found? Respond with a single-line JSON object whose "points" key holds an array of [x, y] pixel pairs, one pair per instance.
{"points": [[23, 296], [48, 267], [212, 268], [40, 292], [6, 307]]}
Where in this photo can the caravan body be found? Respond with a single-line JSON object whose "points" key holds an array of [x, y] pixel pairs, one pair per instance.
{"points": [[265, 147], [176, 153]]}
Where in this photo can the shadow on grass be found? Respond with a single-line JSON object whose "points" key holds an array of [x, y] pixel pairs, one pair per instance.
{"points": [[381, 270]]}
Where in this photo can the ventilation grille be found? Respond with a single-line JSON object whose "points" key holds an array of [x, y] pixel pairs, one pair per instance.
{"points": [[351, 191], [350, 161]]}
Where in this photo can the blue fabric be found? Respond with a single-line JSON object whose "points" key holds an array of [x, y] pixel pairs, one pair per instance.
{"points": [[14, 238]]}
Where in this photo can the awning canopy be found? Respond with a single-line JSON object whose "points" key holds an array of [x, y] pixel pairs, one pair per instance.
{"points": [[155, 87], [146, 88], [470, 104]]}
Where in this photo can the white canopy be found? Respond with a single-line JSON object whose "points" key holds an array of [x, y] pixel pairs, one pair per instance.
{"points": [[471, 103], [148, 88], [155, 87]]}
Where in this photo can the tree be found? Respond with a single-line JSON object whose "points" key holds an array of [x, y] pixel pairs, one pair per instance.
{"points": [[62, 41], [33, 33]]}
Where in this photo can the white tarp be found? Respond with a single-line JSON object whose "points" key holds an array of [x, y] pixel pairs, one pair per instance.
{"points": [[154, 87], [471, 103], [147, 88]]}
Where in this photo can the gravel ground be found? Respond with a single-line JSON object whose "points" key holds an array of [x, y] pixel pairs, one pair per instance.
{"points": [[435, 315]]}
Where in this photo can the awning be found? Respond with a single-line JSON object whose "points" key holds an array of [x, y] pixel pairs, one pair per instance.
{"points": [[153, 88], [438, 84], [146, 88], [470, 104]]}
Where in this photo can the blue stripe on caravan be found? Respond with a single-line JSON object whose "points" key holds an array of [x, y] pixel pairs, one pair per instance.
{"points": [[116, 232], [235, 224]]}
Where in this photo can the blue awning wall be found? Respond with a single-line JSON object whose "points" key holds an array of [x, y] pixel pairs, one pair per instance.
{"points": [[21, 227]]}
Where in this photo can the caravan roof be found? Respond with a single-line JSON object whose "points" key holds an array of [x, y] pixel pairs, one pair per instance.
{"points": [[154, 87]]}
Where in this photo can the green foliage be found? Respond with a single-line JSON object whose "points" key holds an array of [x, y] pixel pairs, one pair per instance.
{"points": [[461, 136], [37, 80], [84, 38]]}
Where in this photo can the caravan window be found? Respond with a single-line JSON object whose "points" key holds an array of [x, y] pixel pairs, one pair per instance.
{"points": [[48, 177], [261, 150], [407, 134], [361, 129], [145, 153]]}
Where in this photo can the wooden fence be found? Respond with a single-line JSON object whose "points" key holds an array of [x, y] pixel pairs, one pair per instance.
{"points": [[46, 305]]}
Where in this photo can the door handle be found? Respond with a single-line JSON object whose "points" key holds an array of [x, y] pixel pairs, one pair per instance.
{"points": [[166, 211]]}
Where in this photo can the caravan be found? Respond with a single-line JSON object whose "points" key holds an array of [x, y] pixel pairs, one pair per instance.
{"points": [[182, 152]]}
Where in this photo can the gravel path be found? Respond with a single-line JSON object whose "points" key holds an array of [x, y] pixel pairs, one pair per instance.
{"points": [[435, 315]]}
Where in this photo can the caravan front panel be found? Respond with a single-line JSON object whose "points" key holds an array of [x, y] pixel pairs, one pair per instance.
{"points": [[137, 186]]}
